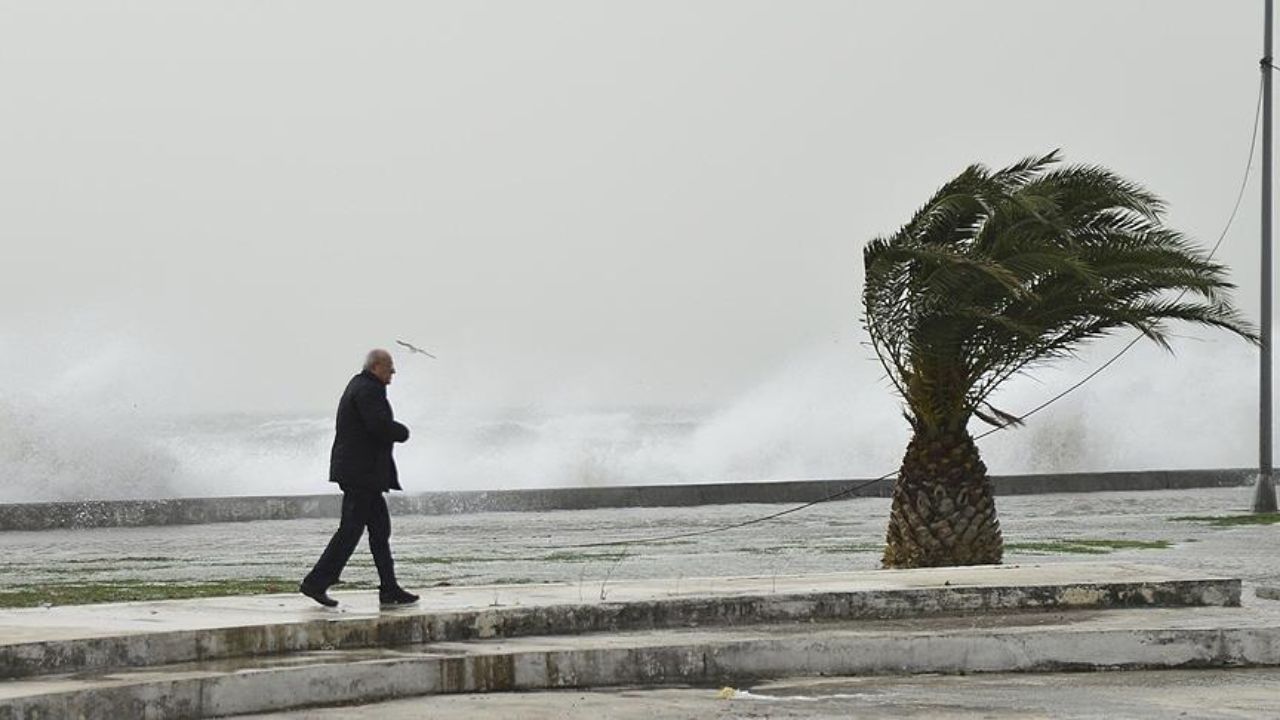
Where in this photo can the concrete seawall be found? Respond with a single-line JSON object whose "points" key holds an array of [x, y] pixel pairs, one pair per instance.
{"points": [[191, 511]]}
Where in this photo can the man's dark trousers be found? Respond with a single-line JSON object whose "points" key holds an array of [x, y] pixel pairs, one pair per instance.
{"points": [[360, 509]]}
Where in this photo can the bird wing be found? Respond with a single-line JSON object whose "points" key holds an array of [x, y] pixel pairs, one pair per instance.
{"points": [[416, 349]]}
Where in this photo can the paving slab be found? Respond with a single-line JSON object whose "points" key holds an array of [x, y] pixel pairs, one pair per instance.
{"points": [[1203, 694], [79, 638], [1203, 637]]}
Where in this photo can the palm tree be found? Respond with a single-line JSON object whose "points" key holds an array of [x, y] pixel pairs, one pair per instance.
{"points": [[997, 273]]}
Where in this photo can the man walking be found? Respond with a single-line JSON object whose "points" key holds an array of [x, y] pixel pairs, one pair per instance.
{"points": [[362, 465]]}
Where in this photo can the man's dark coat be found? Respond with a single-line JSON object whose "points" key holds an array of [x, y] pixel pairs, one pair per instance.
{"points": [[361, 457]]}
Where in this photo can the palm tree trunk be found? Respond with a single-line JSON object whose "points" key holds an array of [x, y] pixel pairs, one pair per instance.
{"points": [[944, 512]]}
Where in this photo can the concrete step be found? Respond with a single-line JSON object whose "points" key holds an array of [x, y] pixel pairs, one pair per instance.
{"points": [[97, 637], [997, 642]]}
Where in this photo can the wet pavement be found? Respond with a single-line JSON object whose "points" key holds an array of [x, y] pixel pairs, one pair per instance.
{"points": [[1148, 695], [536, 547]]}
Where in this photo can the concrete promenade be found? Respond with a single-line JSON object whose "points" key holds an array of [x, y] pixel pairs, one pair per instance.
{"points": [[199, 657], [535, 548], [227, 656]]}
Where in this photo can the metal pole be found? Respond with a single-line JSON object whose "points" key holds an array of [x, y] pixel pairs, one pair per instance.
{"points": [[1264, 494]]}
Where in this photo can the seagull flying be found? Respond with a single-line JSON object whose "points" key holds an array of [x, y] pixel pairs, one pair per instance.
{"points": [[417, 350]]}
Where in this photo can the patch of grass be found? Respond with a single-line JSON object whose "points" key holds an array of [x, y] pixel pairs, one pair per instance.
{"points": [[36, 570], [365, 562], [567, 556], [852, 548], [774, 550], [425, 560], [139, 590], [1085, 546], [580, 557], [127, 558], [787, 546], [1230, 520], [1125, 544], [197, 568], [1054, 547]]}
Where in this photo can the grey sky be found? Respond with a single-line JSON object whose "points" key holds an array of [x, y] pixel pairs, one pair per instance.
{"points": [[588, 202]]}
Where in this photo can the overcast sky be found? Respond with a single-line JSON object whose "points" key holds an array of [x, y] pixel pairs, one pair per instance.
{"points": [[593, 203]]}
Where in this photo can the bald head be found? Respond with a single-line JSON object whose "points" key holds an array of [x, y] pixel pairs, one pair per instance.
{"points": [[379, 362]]}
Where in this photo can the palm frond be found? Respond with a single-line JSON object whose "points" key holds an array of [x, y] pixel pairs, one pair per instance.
{"points": [[1003, 270]]}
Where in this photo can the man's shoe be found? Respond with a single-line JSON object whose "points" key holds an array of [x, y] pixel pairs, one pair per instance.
{"points": [[319, 596], [396, 597]]}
